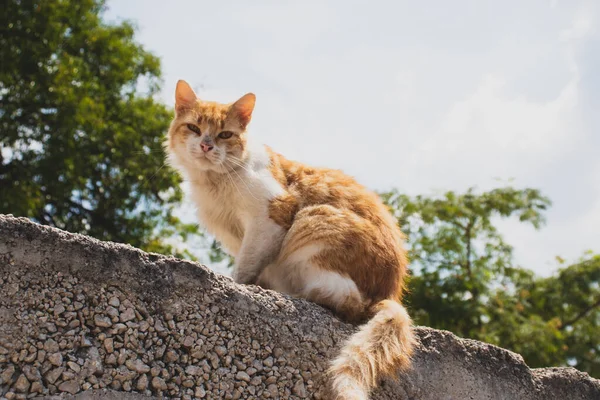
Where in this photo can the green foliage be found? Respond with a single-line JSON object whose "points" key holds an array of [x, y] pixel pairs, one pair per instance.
{"points": [[216, 254], [554, 320], [457, 250], [465, 280], [81, 131]]}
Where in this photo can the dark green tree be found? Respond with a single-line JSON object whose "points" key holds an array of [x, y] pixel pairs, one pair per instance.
{"points": [[553, 320], [80, 130], [464, 278], [456, 252]]}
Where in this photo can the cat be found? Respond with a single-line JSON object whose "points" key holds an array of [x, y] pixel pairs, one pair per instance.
{"points": [[309, 232]]}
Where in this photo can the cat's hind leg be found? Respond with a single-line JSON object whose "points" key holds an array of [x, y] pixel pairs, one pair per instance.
{"points": [[317, 258]]}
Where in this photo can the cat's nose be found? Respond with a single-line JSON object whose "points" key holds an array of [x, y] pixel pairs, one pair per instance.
{"points": [[206, 147]]}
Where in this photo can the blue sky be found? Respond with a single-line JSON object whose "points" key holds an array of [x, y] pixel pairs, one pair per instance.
{"points": [[421, 96]]}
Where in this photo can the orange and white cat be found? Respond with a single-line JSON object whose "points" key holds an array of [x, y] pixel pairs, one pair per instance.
{"points": [[308, 232]]}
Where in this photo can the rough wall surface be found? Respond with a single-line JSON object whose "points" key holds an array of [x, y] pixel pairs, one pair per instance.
{"points": [[87, 319]]}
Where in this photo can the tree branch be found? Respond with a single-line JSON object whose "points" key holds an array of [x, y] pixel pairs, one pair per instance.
{"points": [[474, 290], [468, 239], [581, 314]]}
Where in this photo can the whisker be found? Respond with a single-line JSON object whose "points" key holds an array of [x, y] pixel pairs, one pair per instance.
{"points": [[148, 152], [147, 180], [245, 184], [232, 157], [245, 168], [164, 164], [232, 181], [252, 183], [240, 163]]}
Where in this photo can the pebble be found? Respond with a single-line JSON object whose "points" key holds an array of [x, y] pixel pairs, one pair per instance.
{"points": [[200, 392], [36, 387], [109, 345], [142, 383], [198, 354], [159, 383], [273, 390], [22, 384], [51, 346], [59, 310], [114, 301], [271, 379], [67, 375], [74, 324], [111, 359], [256, 381], [69, 387], [52, 375], [160, 351], [102, 321], [268, 362], [6, 375], [243, 376], [220, 350], [137, 365], [127, 315], [171, 356], [112, 312], [55, 359], [188, 341], [74, 366], [299, 389], [193, 370]]}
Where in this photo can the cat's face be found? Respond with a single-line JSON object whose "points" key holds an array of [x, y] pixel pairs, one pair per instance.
{"points": [[208, 136]]}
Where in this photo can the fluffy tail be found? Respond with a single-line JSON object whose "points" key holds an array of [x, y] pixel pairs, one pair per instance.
{"points": [[381, 347]]}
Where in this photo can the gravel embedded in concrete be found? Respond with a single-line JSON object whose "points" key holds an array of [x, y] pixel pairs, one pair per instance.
{"points": [[78, 316]]}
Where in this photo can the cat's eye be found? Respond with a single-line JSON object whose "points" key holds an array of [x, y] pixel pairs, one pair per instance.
{"points": [[194, 129], [225, 134]]}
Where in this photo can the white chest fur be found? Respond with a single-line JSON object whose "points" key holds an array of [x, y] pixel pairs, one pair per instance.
{"points": [[229, 203]]}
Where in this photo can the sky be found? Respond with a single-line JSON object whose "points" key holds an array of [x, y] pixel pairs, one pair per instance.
{"points": [[424, 97]]}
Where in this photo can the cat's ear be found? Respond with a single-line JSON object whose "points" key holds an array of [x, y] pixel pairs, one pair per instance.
{"points": [[242, 109], [185, 97]]}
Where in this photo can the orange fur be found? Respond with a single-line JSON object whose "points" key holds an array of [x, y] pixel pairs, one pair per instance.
{"points": [[309, 232]]}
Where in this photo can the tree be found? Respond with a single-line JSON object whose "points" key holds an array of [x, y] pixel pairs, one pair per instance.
{"points": [[554, 320], [465, 279], [457, 253], [81, 131]]}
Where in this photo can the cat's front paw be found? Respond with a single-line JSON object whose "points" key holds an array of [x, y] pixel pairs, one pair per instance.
{"points": [[243, 278]]}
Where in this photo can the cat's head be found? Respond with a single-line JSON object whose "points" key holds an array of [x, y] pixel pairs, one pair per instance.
{"points": [[208, 136]]}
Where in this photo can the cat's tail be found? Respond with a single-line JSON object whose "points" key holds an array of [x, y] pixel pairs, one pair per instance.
{"points": [[381, 347]]}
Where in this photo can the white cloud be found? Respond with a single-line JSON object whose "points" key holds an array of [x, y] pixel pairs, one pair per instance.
{"points": [[582, 25], [493, 134]]}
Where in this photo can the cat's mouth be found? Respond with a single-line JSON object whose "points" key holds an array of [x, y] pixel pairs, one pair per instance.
{"points": [[203, 158], [207, 159]]}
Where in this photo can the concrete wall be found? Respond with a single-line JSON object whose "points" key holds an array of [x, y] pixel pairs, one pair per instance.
{"points": [[92, 319]]}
